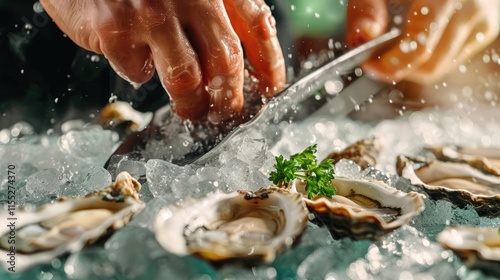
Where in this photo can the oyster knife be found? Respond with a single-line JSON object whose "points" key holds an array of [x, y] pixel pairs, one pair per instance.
{"points": [[334, 82]]}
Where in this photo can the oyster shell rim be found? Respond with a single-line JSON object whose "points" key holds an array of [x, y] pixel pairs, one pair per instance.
{"points": [[131, 205], [338, 211], [448, 239], [180, 248], [459, 197]]}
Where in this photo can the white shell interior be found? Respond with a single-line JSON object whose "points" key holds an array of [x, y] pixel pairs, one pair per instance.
{"points": [[226, 225], [66, 225]]}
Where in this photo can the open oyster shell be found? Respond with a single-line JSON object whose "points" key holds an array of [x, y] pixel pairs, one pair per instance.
{"points": [[67, 224], [477, 247], [364, 152], [363, 209], [238, 225], [486, 159], [459, 183]]}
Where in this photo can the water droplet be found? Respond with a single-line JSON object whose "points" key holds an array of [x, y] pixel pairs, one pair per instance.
{"points": [[433, 26], [292, 7], [94, 58], [479, 36], [422, 38], [22, 71], [404, 47], [424, 11], [56, 100], [333, 87], [486, 58], [462, 68], [398, 20], [37, 7], [316, 15]]}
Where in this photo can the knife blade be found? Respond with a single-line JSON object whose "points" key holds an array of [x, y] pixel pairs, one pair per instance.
{"points": [[329, 83]]}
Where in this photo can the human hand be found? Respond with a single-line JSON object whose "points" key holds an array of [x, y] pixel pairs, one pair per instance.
{"points": [[437, 37], [194, 46]]}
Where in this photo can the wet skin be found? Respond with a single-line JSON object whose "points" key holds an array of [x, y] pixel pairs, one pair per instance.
{"points": [[195, 47], [438, 35]]}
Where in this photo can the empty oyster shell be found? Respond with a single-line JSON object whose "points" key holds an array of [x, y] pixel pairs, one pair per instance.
{"points": [[482, 158], [68, 224], [459, 183], [364, 152], [222, 226], [478, 247], [363, 209]]}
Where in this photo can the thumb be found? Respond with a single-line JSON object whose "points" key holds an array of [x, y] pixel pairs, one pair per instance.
{"points": [[366, 19]]}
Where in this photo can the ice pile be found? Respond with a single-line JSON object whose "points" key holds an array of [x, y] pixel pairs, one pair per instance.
{"points": [[48, 166], [410, 252]]}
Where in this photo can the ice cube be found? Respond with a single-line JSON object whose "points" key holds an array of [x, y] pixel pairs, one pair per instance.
{"points": [[92, 145], [137, 169], [160, 175], [253, 151], [146, 218], [44, 186], [88, 180], [238, 175], [184, 185]]}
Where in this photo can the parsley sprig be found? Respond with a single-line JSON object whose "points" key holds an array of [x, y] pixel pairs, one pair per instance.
{"points": [[304, 166]]}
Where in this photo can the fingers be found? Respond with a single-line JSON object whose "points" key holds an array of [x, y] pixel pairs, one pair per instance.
{"points": [[253, 22], [427, 20], [486, 30], [179, 70], [366, 19], [132, 62], [221, 58], [451, 44], [73, 18]]}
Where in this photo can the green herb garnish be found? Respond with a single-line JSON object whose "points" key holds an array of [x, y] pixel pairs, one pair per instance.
{"points": [[304, 166]]}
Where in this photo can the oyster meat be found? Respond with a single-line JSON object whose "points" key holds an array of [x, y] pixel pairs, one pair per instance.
{"points": [[69, 223], [364, 152], [459, 183], [238, 225], [363, 209], [478, 247], [486, 159]]}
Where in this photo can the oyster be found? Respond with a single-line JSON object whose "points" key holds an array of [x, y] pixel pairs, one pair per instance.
{"points": [[364, 152], [484, 159], [459, 183], [68, 224], [238, 225], [363, 209], [122, 114], [478, 247]]}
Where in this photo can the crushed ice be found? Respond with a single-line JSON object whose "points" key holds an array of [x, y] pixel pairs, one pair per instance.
{"points": [[70, 164]]}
